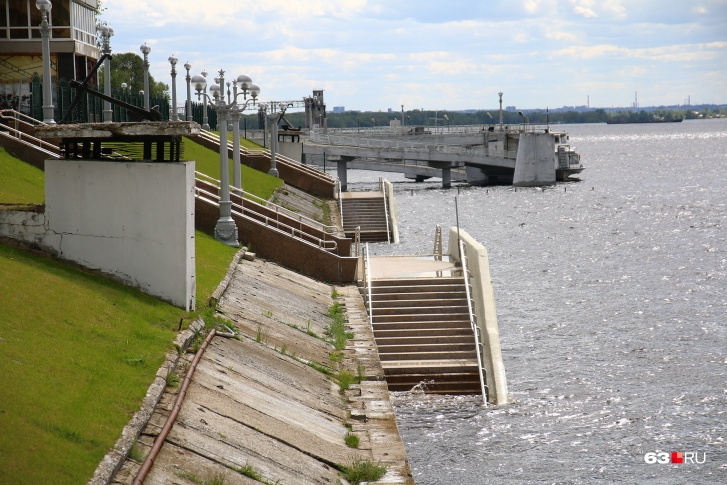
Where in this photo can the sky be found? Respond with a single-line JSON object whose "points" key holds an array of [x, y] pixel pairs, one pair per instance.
{"points": [[372, 55]]}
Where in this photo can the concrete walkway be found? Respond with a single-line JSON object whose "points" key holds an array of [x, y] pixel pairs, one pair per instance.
{"points": [[410, 267], [255, 402]]}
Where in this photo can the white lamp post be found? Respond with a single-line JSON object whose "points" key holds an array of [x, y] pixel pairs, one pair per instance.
{"points": [[500, 94], [45, 7], [188, 66], [173, 61], [205, 119], [106, 34], [226, 229], [145, 49]]}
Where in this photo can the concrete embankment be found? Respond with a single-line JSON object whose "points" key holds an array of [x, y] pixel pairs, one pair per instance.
{"points": [[269, 403]]}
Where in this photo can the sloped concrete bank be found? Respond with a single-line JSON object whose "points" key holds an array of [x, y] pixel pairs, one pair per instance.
{"points": [[268, 407]]}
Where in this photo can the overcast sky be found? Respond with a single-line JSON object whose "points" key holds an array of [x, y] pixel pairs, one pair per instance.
{"points": [[441, 54]]}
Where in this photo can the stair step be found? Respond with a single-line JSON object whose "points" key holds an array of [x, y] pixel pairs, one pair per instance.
{"points": [[446, 354], [442, 332], [424, 340], [416, 317], [420, 295], [419, 303], [417, 351], [419, 325]]}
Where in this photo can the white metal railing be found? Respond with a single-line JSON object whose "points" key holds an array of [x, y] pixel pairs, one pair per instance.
{"points": [[382, 188], [327, 245], [367, 284], [270, 205], [357, 240], [473, 320], [438, 243], [265, 152], [19, 118]]}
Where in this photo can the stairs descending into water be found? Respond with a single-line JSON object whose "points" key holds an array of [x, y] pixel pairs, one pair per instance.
{"points": [[423, 334], [366, 210]]}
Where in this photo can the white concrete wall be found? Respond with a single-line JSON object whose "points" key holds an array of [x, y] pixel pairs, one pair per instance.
{"points": [[535, 162], [484, 307], [133, 220], [291, 150]]}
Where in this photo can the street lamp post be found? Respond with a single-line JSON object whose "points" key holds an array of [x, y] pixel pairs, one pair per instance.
{"points": [[205, 120], [226, 229], [500, 94], [106, 33], [145, 49], [275, 117], [187, 66], [173, 61], [45, 7]]}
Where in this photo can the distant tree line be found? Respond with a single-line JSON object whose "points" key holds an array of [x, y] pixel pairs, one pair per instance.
{"points": [[366, 119]]}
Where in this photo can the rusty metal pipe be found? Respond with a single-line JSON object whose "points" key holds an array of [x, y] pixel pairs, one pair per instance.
{"points": [[159, 441]]}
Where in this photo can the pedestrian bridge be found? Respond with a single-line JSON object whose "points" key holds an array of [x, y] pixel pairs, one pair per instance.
{"points": [[415, 160]]}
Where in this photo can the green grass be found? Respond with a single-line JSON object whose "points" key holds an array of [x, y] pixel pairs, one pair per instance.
{"points": [[77, 354], [352, 440], [208, 162], [363, 471], [20, 183]]}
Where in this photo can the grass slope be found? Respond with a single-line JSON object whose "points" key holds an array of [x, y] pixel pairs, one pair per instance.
{"points": [[208, 162], [20, 182]]}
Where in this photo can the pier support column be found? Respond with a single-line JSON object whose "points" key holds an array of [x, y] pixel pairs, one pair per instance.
{"points": [[535, 162], [447, 178], [343, 174]]}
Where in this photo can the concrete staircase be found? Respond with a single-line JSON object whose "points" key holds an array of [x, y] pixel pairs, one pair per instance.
{"points": [[423, 334], [367, 212]]}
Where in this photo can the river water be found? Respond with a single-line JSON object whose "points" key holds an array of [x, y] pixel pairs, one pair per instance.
{"points": [[611, 296]]}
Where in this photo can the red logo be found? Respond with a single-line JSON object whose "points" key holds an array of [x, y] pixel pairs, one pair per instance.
{"points": [[677, 457]]}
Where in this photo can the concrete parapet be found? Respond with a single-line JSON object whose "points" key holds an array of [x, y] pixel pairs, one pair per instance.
{"points": [[535, 162], [484, 308], [393, 213]]}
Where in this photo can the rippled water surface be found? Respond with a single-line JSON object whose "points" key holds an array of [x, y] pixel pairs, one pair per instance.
{"points": [[612, 304]]}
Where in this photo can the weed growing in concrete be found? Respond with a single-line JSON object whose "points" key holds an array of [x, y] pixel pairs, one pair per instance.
{"points": [[337, 329], [268, 313], [178, 348], [363, 471], [262, 335], [216, 479], [249, 472], [283, 349], [135, 453], [172, 379], [335, 294], [320, 367], [345, 379], [352, 440], [336, 357]]}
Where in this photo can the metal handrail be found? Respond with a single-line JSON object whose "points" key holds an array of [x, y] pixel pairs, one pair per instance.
{"points": [[272, 223], [340, 199], [367, 283], [386, 209], [32, 141], [17, 115], [357, 240], [438, 243], [268, 204], [265, 152], [473, 319]]}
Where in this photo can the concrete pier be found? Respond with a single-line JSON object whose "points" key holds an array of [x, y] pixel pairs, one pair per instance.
{"points": [[534, 165]]}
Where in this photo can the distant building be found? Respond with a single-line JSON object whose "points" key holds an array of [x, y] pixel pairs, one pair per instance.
{"points": [[511, 109], [339, 109], [72, 46]]}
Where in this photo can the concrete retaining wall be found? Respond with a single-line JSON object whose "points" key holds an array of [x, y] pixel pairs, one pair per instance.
{"points": [[393, 213], [132, 220], [484, 307]]}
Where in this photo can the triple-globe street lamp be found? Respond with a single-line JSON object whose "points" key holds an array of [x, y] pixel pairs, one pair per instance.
{"points": [[145, 49], [106, 34], [173, 61], [226, 229]]}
